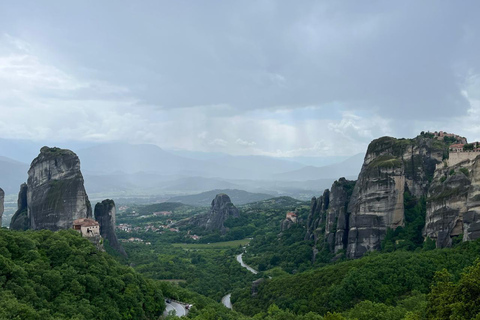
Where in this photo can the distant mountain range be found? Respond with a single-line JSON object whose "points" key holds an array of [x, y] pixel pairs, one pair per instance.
{"points": [[124, 170], [204, 199], [12, 174], [348, 168]]}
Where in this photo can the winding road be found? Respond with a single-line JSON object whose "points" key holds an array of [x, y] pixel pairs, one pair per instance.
{"points": [[179, 309], [226, 299], [240, 260]]}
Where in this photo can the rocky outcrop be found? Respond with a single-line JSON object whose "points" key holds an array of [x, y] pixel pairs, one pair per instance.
{"points": [[316, 218], [391, 167], [287, 224], [2, 208], [453, 203], [105, 215], [421, 168], [336, 222], [328, 218], [56, 195], [20, 220], [221, 209]]}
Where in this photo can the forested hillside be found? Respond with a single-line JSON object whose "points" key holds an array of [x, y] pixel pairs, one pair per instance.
{"points": [[60, 275]]}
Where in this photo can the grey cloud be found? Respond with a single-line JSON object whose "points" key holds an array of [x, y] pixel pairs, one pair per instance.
{"points": [[398, 58]]}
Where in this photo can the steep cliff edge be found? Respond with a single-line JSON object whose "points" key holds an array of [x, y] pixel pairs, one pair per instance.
{"points": [[453, 203], [328, 218], [54, 195], [391, 167], [356, 216], [105, 213]]}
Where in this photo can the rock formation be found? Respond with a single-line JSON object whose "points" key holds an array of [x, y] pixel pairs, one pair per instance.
{"points": [[316, 218], [391, 166], [20, 219], [356, 216], [221, 209], [54, 195], [2, 198], [453, 203], [336, 222], [105, 215], [328, 217], [289, 221]]}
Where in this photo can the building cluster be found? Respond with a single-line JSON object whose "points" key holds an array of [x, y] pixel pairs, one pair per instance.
{"points": [[149, 227], [87, 227], [461, 147], [292, 216], [441, 135], [139, 240]]}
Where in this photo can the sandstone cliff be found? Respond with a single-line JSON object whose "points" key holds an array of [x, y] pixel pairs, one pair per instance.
{"points": [[2, 198], [221, 209], [105, 215], [453, 203], [391, 166], [20, 219], [356, 216], [55, 195], [316, 218], [328, 218], [336, 223]]}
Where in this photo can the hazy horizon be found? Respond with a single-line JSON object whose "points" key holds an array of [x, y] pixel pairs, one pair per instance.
{"points": [[310, 79]]}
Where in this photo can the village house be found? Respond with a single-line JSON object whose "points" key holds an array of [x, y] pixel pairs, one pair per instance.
{"points": [[456, 147], [87, 227], [125, 227]]}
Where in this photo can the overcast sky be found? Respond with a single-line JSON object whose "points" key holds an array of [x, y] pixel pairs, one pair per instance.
{"points": [[279, 78]]}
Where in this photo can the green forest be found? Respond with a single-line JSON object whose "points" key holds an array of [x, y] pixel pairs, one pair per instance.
{"points": [[60, 275]]}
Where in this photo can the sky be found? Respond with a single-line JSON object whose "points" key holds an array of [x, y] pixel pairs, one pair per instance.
{"points": [[275, 78]]}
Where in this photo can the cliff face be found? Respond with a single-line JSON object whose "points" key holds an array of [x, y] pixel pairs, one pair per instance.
{"points": [[453, 203], [421, 167], [316, 218], [390, 167], [328, 218], [20, 219], [55, 192], [2, 208], [105, 215], [336, 223], [221, 209]]}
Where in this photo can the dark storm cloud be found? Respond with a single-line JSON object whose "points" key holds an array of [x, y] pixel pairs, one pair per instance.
{"points": [[397, 58]]}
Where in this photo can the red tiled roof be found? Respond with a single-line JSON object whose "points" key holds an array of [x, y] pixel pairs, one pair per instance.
{"points": [[85, 222]]}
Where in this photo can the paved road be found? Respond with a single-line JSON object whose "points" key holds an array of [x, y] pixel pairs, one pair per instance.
{"points": [[177, 307], [240, 260], [226, 301]]}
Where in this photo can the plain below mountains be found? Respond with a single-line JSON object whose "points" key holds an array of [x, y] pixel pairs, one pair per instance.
{"points": [[125, 170]]}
